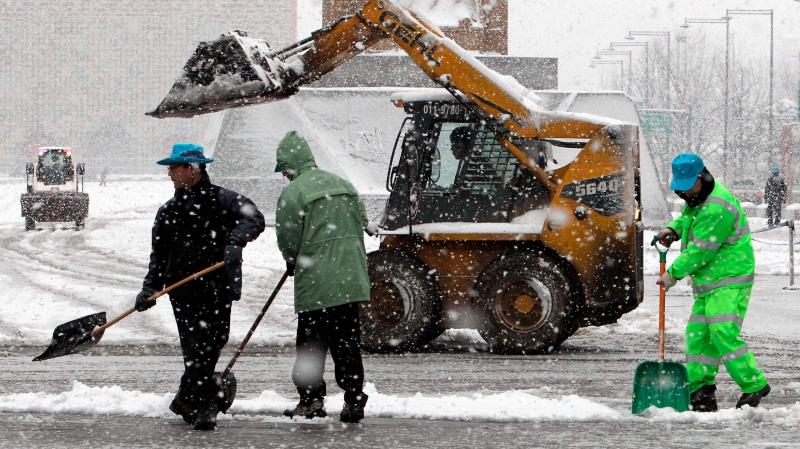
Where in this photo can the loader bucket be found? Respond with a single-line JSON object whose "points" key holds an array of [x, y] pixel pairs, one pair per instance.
{"points": [[74, 336], [660, 384], [233, 70]]}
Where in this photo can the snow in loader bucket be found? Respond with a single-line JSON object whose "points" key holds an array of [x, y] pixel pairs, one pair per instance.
{"points": [[233, 70]]}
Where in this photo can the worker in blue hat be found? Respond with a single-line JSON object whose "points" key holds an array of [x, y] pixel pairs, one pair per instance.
{"points": [[717, 254], [202, 224], [775, 196]]}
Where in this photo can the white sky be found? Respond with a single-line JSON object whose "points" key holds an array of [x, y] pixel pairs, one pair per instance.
{"points": [[572, 30]]}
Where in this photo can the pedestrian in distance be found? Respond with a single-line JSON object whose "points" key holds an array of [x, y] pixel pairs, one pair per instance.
{"points": [[199, 226], [775, 196], [716, 252], [320, 223], [103, 176]]}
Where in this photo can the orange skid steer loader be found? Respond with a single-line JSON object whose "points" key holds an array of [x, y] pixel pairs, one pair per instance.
{"points": [[530, 232]]}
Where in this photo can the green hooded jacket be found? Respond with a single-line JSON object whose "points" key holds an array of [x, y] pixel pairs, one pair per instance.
{"points": [[716, 250], [319, 223]]}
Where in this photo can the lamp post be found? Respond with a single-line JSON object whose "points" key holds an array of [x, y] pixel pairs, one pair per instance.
{"points": [[645, 45], [666, 34], [595, 62], [619, 53], [764, 12], [724, 20]]}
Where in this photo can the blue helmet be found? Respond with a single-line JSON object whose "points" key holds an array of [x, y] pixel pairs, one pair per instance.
{"points": [[686, 168], [775, 169], [186, 153]]}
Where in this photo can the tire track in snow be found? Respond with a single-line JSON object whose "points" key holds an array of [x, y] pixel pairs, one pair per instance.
{"points": [[61, 268]]}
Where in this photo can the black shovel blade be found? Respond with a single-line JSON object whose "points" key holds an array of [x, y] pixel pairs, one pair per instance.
{"points": [[233, 70], [227, 390], [74, 336]]}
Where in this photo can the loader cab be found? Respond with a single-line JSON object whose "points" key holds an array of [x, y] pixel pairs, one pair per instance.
{"points": [[54, 166], [448, 165]]}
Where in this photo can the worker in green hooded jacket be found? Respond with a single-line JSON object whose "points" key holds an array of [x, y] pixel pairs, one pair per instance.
{"points": [[320, 224], [717, 254]]}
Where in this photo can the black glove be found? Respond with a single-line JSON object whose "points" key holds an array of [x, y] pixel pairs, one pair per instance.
{"points": [[667, 236], [143, 301], [233, 265], [290, 268]]}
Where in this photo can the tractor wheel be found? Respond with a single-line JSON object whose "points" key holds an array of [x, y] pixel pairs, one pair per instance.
{"points": [[30, 223], [404, 311], [525, 301]]}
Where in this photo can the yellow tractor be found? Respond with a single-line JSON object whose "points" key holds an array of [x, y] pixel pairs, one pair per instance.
{"points": [[502, 216]]}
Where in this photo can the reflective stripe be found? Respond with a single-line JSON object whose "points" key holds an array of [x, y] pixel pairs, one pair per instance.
{"points": [[726, 318], [735, 354], [704, 359], [705, 245], [717, 319], [739, 231], [731, 208], [698, 319], [723, 283]]}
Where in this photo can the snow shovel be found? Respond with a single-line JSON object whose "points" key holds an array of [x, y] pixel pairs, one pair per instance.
{"points": [[77, 335], [660, 383], [226, 380]]}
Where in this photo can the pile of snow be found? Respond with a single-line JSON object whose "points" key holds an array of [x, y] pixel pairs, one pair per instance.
{"points": [[481, 406]]}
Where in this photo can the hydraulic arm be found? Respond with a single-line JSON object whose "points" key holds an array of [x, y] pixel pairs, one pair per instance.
{"points": [[236, 70]]}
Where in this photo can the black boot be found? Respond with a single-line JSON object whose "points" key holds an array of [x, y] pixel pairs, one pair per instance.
{"points": [[207, 417], [753, 399], [354, 411], [704, 399], [183, 409], [308, 408]]}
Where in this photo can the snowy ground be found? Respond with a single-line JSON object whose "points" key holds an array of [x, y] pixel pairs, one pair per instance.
{"points": [[55, 274]]}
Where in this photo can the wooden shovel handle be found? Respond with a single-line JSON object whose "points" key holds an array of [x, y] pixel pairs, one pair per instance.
{"points": [[255, 325], [96, 331], [662, 268]]}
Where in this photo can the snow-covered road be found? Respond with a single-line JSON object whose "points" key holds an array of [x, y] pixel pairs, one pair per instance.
{"points": [[579, 396]]}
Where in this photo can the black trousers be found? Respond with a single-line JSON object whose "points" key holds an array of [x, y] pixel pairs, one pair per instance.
{"points": [[773, 213], [335, 329], [203, 327]]}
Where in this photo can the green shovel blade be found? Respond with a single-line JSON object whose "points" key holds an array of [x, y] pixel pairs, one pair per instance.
{"points": [[660, 384]]}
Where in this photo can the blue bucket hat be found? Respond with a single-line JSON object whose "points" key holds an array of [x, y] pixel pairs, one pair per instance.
{"points": [[186, 153], [686, 168], [776, 169]]}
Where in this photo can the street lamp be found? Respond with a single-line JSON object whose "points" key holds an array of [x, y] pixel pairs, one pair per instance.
{"points": [[764, 12], [726, 20], [645, 45], [596, 61], [666, 34], [619, 53]]}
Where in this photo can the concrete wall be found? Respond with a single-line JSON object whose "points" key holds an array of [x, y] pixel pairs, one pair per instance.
{"points": [[487, 33]]}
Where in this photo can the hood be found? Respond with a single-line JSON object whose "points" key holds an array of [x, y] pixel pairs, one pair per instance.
{"points": [[294, 154]]}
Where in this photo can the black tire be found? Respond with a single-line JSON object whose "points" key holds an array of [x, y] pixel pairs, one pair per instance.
{"points": [[405, 308], [525, 299], [30, 224]]}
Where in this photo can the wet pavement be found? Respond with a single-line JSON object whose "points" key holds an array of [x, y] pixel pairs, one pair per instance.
{"points": [[596, 364]]}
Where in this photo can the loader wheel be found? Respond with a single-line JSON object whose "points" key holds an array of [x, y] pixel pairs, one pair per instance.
{"points": [[525, 300], [404, 310], [30, 224]]}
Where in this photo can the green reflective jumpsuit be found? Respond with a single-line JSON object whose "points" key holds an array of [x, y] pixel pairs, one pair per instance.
{"points": [[717, 253]]}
